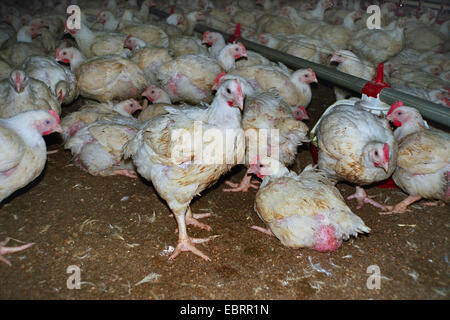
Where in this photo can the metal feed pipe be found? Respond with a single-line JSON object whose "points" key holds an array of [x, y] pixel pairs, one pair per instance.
{"points": [[428, 109]]}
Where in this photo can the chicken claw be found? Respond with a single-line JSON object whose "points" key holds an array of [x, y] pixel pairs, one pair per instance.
{"points": [[127, 173], [245, 184], [188, 245], [263, 230], [361, 197], [402, 206], [191, 218], [7, 250]]}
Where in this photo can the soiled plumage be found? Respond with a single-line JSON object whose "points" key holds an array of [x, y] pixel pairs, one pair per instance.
{"points": [[304, 210]]}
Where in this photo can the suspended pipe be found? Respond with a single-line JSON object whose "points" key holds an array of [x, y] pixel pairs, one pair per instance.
{"points": [[428, 109]]}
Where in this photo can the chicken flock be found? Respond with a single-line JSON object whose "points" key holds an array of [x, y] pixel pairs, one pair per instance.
{"points": [[200, 92]]}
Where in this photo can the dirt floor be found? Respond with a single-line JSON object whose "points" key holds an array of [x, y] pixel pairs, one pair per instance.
{"points": [[119, 233]]}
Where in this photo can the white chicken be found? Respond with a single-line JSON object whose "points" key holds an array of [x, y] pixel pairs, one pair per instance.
{"points": [[60, 80], [349, 63], [356, 146], [104, 78], [269, 123], [180, 175], [423, 163], [294, 88], [23, 155], [98, 148], [92, 112], [378, 45], [190, 77], [304, 210], [20, 93]]}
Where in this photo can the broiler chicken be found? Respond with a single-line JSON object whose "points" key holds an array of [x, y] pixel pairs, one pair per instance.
{"points": [[98, 148], [378, 45], [304, 210], [178, 176], [190, 77], [160, 100], [23, 155], [93, 44], [104, 78], [263, 113], [356, 146], [60, 80], [149, 59], [21, 93], [349, 63], [423, 163], [92, 112], [294, 88]]}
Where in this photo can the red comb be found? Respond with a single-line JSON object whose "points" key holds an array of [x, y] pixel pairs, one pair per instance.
{"points": [[172, 9], [58, 51], [53, 113], [217, 80], [236, 35], [386, 152], [395, 106]]}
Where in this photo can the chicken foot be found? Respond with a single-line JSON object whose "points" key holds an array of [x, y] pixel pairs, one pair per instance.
{"points": [[361, 197], [402, 206], [192, 219], [263, 230], [8, 250], [186, 243], [127, 173], [244, 185]]}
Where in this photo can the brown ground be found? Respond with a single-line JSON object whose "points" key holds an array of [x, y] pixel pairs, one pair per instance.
{"points": [[116, 230]]}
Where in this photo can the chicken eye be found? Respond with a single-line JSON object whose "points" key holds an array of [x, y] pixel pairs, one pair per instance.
{"points": [[376, 153], [399, 113], [64, 54], [306, 76], [228, 91], [47, 121]]}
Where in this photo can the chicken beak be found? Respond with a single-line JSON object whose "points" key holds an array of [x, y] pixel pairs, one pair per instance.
{"points": [[386, 167], [58, 129]]}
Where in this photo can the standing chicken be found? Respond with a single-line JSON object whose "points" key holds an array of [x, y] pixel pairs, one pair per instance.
{"points": [[304, 210], [23, 155], [163, 153], [423, 163], [356, 146]]}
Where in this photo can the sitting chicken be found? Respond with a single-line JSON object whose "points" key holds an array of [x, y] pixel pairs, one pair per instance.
{"points": [[356, 146], [21, 93], [423, 163], [294, 87], [378, 45], [93, 44], [60, 80], [148, 58], [160, 100], [267, 111], [98, 148], [162, 154], [92, 112], [304, 210], [23, 155], [150, 34], [349, 63], [104, 78]]}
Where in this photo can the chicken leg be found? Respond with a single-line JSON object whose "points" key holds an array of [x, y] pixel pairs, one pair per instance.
{"points": [[244, 185], [402, 206], [186, 243], [124, 172], [7, 250], [361, 197]]}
